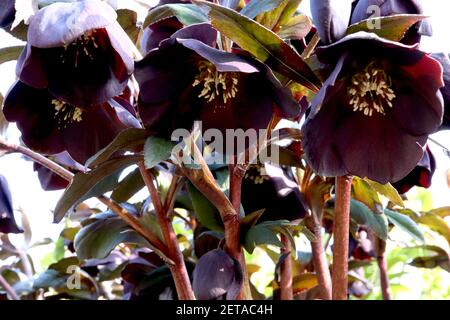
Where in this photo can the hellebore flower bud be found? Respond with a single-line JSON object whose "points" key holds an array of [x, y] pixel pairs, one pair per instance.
{"points": [[7, 222], [217, 276]]}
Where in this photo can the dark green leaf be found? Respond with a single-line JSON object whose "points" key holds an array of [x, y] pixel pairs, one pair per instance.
{"points": [[260, 235], [405, 223], [126, 140], [204, 210], [256, 7], [391, 27], [86, 185], [10, 53], [156, 150], [263, 44], [362, 215], [128, 187], [98, 239], [187, 14]]}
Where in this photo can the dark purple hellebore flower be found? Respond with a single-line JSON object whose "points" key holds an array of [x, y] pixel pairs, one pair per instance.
{"points": [[7, 13], [7, 221], [420, 176], [78, 51], [364, 10], [49, 180], [161, 30], [445, 62], [187, 79], [374, 113], [331, 18], [273, 189], [50, 126], [217, 276]]}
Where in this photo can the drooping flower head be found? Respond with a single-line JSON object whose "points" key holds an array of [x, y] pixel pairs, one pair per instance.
{"points": [[50, 125], [421, 175], [273, 189], [78, 51], [161, 30], [217, 276], [7, 221], [51, 181], [374, 113], [445, 62], [187, 79]]}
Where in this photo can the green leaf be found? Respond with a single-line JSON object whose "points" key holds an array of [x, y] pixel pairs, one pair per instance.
{"points": [[441, 212], [10, 53], [264, 44], [363, 192], [204, 210], [93, 183], [276, 18], [260, 235], [98, 239], [128, 187], [362, 215], [392, 27], [157, 150], [388, 191], [405, 223], [187, 14], [297, 27], [127, 140], [128, 21], [437, 224], [256, 7]]}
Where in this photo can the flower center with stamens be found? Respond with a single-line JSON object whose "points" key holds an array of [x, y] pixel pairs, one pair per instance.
{"points": [[80, 48], [66, 113], [370, 90], [216, 85]]}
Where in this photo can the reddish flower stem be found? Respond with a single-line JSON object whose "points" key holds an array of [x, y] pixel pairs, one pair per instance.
{"points": [[178, 269], [384, 278], [286, 291], [232, 229], [131, 220], [320, 260], [341, 237]]}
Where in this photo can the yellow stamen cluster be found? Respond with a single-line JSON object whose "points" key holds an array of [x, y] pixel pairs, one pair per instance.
{"points": [[370, 90], [65, 113], [257, 174], [81, 46], [216, 84]]}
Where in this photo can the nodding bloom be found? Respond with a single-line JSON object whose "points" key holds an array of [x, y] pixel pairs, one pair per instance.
{"points": [[186, 79], [78, 51], [445, 62], [51, 181], [7, 221], [50, 125], [421, 175], [160, 30], [273, 189], [375, 111], [217, 276]]}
